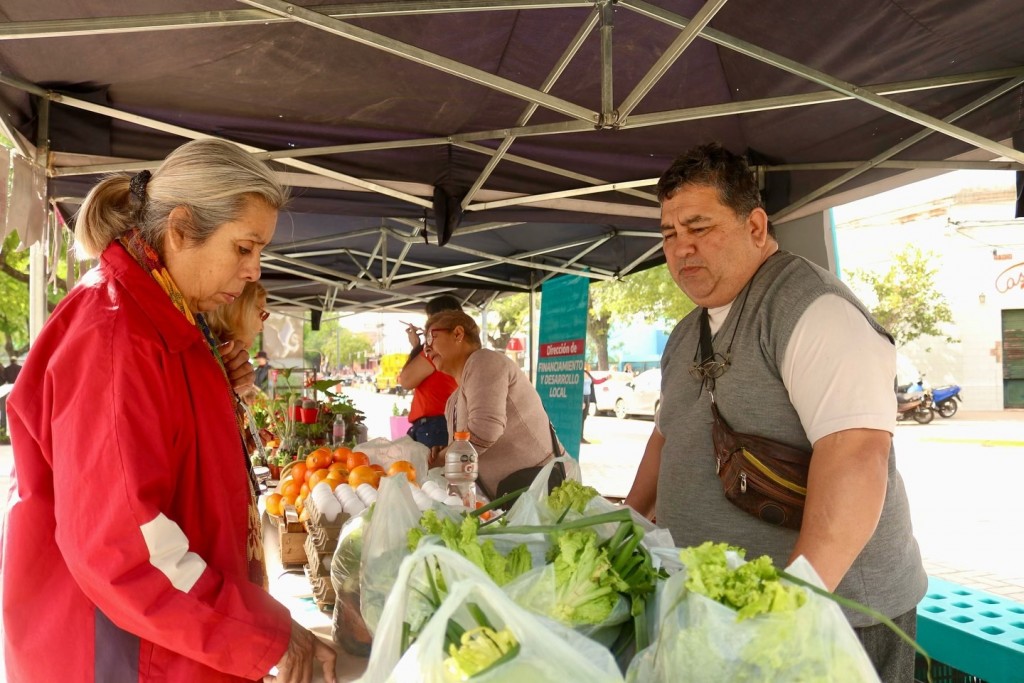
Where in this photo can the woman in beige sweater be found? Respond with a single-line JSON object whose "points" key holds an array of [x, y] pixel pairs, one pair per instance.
{"points": [[495, 403]]}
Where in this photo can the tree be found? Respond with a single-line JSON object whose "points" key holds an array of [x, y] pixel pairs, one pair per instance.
{"points": [[512, 311], [333, 345], [906, 301], [651, 293]]}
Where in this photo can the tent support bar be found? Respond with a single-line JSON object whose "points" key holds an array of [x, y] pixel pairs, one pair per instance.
{"points": [[63, 28], [597, 243], [422, 57], [518, 260], [821, 78], [545, 167], [532, 199], [643, 257], [896, 149], [37, 268], [607, 11], [549, 82], [669, 56], [942, 165]]}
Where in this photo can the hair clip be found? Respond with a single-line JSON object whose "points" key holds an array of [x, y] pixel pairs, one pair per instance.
{"points": [[138, 184]]}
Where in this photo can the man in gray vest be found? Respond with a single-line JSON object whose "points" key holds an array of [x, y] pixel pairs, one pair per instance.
{"points": [[794, 357]]}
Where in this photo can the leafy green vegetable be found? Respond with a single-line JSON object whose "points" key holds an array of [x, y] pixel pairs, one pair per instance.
{"points": [[570, 494], [752, 588], [586, 586], [462, 538], [479, 650]]}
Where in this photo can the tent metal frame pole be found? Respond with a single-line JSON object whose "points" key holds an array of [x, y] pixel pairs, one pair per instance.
{"points": [[669, 57], [821, 78], [496, 156], [941, 165], [554, 170], [423, 57], [37, 274], [901, 146], [520, 260], [596, 244], [606, 9], [65, 28], [532, 199]]}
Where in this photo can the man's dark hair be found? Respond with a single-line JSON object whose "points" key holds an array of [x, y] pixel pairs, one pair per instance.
{"points": [[717, 167], [445, 302]]}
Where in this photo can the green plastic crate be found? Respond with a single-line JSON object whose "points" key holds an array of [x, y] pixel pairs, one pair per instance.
{"points": [[973, 632]]}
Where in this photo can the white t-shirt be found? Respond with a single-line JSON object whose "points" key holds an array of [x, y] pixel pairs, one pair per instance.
{"points": [[838, 370]]}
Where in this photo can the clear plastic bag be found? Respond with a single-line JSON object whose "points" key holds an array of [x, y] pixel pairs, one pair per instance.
{"points": [[535, 590], [384, 453], [385, 545], [700, 640], [532, 509], [408, 607], [547, 652], [348, 628]]}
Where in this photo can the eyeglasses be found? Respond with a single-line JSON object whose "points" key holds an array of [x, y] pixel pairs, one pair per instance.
{"points": [[263, 314], [711, 369], [429, 337]]}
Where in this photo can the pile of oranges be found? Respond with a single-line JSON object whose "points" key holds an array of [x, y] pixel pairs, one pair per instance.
{"points": [[340, 466]]}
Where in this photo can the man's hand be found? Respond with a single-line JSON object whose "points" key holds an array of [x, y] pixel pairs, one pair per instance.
{"points": [[296, 666], [236, 363], [645, 486]]}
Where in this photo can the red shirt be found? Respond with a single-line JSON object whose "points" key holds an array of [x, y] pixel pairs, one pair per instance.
{"points": [[124, 550], [431, 395]]}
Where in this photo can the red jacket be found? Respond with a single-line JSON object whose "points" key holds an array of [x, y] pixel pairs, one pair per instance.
{"points": [[124, 546]]}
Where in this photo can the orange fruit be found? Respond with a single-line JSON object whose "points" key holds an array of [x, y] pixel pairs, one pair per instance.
{"points": [[304, 515], [287, 500], [317, 477], [340, 454], [403, 466], [339, 466], [290, 488], [298, 472], [313, 461], [363, 474], [334, 477], [274, 504], [304, 490], [355, 459], [380, 470]]}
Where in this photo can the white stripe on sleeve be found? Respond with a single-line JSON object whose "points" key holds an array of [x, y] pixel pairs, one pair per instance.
{"points": [[168, 552]]}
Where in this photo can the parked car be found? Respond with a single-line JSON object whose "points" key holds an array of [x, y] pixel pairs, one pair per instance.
{"points": [[642, 395], [609, 387]]}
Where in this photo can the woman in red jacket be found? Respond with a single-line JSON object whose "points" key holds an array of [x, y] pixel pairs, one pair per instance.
{"points": [[132, 547]]}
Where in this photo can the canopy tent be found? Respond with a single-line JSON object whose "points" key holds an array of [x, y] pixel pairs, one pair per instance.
{"points": [[522, 135]]}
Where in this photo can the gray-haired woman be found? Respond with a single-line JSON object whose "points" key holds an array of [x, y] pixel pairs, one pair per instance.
{"points": [[151, 566]]}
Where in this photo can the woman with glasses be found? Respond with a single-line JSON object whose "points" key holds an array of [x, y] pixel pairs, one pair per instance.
{"points": [[495, 403]]}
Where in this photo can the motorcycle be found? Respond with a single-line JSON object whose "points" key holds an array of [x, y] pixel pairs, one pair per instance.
{"points": [[913, 403], [945, 399]]}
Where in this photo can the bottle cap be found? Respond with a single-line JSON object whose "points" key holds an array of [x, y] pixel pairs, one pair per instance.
{"points": [[462, 436]]}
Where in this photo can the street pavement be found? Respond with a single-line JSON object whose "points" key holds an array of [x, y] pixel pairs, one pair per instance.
{"points": [[963, 478]]}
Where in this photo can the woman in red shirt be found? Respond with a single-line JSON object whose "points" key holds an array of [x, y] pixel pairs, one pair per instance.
{"points": [[431, 387]]}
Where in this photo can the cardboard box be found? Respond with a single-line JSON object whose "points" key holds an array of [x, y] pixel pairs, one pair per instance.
{"points": [[292, 537]]}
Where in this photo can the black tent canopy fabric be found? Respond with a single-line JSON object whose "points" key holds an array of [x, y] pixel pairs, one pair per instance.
{"points": [[484, 146]]}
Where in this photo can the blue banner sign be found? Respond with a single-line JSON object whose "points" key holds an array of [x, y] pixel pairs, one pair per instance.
{"points": [[562, 347]]}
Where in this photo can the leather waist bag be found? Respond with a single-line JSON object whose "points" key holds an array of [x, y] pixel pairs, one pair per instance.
{"points": [[764, 478]]}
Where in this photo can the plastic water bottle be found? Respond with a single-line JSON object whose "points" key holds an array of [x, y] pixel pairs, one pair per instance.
{"points": [[460, 470], [338, 430]]}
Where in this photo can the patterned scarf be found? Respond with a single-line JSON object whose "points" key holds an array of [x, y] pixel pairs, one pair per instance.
{"points": [[147, 257]]}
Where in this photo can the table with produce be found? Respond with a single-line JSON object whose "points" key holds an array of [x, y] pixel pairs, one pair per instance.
{"points": [[539, 587]]}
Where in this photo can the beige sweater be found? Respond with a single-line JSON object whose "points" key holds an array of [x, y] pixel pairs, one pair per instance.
{"points": [[501, 410]]}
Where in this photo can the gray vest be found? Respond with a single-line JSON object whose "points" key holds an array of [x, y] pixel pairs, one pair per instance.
{"points": [[887, 575]]}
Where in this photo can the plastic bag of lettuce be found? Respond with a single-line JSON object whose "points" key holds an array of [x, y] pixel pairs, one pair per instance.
{"points": [[724, 619], [477, 633]]}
